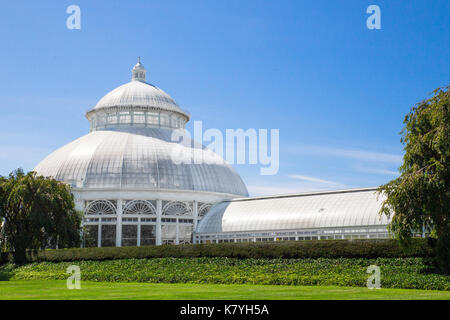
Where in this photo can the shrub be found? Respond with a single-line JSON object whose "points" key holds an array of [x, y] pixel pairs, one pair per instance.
{"points": [[265, 250], [395, 272]]}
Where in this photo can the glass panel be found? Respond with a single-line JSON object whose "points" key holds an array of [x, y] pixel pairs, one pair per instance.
{"points": [[112, 118], [175, 122], [102, 120], [168, 232], [91, 236], [185, 233], [129, 235], [108, 236], [139, 117], [148, 235], [153, 118], [125, 117], [164, 120]]}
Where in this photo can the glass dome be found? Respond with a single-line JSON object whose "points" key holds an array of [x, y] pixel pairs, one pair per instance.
{"points": [[139, 158], [130, 146]]}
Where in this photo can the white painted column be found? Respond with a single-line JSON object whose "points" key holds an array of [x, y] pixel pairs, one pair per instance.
{"points": [[158, 222], [195, 220], [99, 233], [177, 237], [82, 234], [195, 213], [119, 223], [139, 232]]}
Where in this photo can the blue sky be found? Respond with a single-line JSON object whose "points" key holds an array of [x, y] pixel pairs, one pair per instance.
{"points": [[337, 91]]}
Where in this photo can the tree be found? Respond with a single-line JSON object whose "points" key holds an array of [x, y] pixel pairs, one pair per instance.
{"points": [[419, 199], [37, 213]]}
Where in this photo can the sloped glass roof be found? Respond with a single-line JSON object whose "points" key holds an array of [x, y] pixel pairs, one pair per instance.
{"points": [[139, 158], [139, 94], [357, 207]]}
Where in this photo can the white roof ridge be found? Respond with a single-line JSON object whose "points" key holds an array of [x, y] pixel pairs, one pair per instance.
{"points": [[303, 194]]}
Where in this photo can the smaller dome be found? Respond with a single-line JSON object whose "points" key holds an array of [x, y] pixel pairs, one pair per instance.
{"points": [[138, 65], [138, 94], [137, 103]]}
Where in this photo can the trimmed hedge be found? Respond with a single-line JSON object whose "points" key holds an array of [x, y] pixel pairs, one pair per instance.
{"points": [[360, 248]]}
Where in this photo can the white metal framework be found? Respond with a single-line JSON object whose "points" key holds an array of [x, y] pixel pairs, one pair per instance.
{"points": [[346, 214], [136, 188], [100, 207], [139, 207], [129, 176], [140, 222]]}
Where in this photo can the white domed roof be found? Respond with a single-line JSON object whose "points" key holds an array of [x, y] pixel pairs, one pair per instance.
{"points": [[138, 94], [138, 158]]}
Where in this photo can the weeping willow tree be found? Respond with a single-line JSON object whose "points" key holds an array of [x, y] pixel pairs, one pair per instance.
{"points": [[36, 213], [420, 197]]}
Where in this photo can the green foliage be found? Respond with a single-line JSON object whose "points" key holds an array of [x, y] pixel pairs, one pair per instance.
{"points": [[395, 272], [284, 249], [38, 212], [420, 197]]}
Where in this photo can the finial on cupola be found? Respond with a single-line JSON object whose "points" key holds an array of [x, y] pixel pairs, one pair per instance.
{"points": [[138, 72]]}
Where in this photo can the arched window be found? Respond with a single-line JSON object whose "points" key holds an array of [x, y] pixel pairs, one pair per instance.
{"points": [[139, 207], [100, 207], [203, 209], [177, 208]]}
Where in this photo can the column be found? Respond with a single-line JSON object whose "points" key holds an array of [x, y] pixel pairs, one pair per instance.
{"points": [[99, 233], [139, 232], [195, 213], [177, 237], [119, 223], [158, 222], [82, 234]]}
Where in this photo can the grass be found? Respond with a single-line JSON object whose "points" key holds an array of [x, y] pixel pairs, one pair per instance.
{"points": [[56, 289]]}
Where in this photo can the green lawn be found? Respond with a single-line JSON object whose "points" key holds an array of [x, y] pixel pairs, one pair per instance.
{"points": [[56, 289]]}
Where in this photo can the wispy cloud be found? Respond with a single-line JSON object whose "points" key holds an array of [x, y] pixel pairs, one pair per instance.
{"points": [[297, 183], [312, 179], [381, 171], [255, 190], [347, 153]]}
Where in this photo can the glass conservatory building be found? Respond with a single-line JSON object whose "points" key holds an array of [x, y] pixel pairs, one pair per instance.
{"points": [[129, 178], [136, 188], [346, 214]]}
